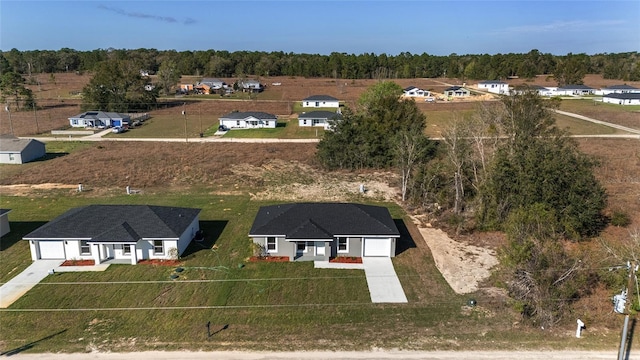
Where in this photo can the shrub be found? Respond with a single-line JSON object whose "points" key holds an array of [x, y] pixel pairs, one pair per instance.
{"points": [[620, 218]]}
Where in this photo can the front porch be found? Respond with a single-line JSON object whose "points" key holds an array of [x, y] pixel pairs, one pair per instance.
{"points": [[114, 253]]}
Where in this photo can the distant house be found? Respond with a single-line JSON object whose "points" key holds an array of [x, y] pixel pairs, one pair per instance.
{"points": [[493, 86], [249, 120], [321, 101], [319, 118], [100, 119], [617, 89], [540, 90], [622, 99], [575, 90], [4, 222], [413, 91], [119, 233], [320, 231], [456, 91], [20, 151], [250, 85], [207, 85]]}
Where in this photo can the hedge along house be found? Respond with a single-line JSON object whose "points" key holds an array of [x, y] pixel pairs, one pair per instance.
{"points": [[249, 120], [320, 231], [115, 233]]}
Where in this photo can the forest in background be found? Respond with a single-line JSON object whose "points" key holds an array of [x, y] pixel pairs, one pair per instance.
{"points": [[221, 63]]}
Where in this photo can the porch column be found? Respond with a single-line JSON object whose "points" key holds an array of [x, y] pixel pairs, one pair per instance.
{"points": [[96, 253], [134, 255]]}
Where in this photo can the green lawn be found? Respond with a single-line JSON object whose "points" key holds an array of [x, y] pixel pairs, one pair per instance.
{"points": [[267, 306]]}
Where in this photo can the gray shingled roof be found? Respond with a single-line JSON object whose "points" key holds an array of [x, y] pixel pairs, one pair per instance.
{"points": [[239, 115], [117, 223], [323, 221], [320, 98], [320, 114], [625, 96], [621, 87], [454, 88], [409, 88], [9, 143], [4, 211], [576, 87]]}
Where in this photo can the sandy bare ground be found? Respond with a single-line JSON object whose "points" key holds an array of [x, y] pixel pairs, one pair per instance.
{"points": [[380, 355], [464, 266]]}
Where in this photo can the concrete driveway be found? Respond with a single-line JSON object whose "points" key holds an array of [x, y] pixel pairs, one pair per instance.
{"points": [[383, 282], [13, 289]]}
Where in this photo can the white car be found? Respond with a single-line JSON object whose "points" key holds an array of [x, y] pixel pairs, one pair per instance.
{"points": [[117, 130]]}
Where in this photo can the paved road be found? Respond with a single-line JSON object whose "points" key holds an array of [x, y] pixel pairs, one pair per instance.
{"points": [[334, 355]]}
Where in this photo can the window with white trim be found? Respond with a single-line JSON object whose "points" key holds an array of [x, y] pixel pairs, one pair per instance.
{"points": [[126, 249], [158, 247], [343, 245], [272, 244], [85, 248]]}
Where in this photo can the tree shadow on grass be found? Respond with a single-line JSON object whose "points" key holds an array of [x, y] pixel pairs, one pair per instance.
{"points": [[405, 242], [18, 230], [212, 231], [29, 345]]}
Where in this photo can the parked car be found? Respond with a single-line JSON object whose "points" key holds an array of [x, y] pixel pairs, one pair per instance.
{"points": [[223, 128], [118, 130]]}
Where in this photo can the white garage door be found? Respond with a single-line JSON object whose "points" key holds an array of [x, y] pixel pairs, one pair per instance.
{"points": [[377, 247], [51, 249]]}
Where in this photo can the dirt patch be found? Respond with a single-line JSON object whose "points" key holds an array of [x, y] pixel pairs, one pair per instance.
{"points": [[464, 266]]}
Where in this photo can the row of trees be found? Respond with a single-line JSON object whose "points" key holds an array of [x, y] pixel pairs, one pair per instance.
{"points": [[220, 63], [507, 168]]}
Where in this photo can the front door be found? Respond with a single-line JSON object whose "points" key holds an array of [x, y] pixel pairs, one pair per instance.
{"points": [[301, 248]]}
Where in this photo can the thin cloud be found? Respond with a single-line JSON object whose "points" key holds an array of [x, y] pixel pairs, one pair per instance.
{"points": [[558, 26], [139, 15]]}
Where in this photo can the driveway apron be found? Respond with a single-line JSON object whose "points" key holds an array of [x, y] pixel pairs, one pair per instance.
{"points": [[13, 289], [383, 282]]}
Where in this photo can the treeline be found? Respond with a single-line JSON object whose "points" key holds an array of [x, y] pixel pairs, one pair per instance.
{"points": [[220, 63]]}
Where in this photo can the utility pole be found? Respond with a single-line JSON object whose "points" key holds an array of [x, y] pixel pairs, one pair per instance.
{"points": [[8, 110], [184, 113], [632, 268]]}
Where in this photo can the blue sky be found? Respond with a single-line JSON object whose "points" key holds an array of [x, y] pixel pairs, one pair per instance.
{"points": [[322, 27]]}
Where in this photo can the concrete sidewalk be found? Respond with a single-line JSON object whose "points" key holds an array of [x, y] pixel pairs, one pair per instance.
{"points": [[13, 289], [383, 282]]}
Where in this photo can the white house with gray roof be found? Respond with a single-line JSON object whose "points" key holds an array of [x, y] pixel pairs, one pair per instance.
{"points": [[622, 99], [19, 151], [575, 90], [249, 120], [321, 101], [618, 89], [320, 118], [494, 86], [116, 233], [320, 231], [100, 119]]}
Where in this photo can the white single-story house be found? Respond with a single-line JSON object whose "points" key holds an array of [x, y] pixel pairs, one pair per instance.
{"points": [[413, 91], [617, 89], [622, 99], [320, 118], [320, 231], [494, 86], [212, 83], [116, 233], [4, 222], [100, 119], [20, 151], [575, 90], [456, 91], [321, 101], [540, 90], [249, 120], [251, 85]]}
